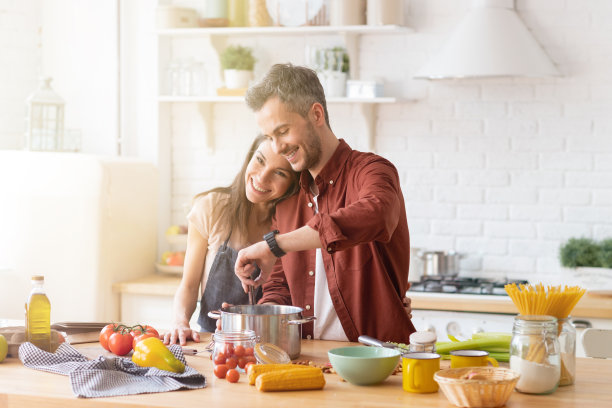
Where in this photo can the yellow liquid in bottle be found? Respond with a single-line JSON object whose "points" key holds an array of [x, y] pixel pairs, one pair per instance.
{"points": [[39, 321]]}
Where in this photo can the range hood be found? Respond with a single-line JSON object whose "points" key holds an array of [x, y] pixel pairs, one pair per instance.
{"points": [[491, 41]]}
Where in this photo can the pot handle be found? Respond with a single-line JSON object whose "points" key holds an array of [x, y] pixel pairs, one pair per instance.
{"points": [[214, 314], [300, 321]]}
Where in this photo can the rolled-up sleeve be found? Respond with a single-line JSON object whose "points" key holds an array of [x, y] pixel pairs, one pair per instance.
{"points": [[372, 217]]}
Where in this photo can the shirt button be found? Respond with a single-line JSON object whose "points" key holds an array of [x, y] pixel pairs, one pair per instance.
{"points": [[329, 249], [331, 181], [307, 307], [309, 337], [311, 273], [310, 204]]}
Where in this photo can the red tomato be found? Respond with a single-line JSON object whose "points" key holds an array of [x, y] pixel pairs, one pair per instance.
{"points": [[139, 337], [231, 362], [120, 343], [239, 351], [247, 365], [250, 359], [229, 349], [143, 329], [220, 370], [232, 375], [248, 351], [242, 361], [105, 334], [220, 358]]}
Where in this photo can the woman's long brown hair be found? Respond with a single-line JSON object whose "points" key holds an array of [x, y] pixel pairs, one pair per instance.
{"points": [[235, 214]]}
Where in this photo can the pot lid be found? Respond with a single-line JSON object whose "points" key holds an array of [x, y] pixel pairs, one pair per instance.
{"points": [[268, 353]]}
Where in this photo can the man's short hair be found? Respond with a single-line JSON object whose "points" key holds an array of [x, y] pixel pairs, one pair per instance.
{"points": [[297, 87]]}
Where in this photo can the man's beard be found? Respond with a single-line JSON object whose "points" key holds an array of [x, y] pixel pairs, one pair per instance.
{"points": [[312, 150]]}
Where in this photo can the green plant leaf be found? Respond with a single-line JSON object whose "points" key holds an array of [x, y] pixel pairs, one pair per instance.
{"points": [[237, 57], [580, 252]]}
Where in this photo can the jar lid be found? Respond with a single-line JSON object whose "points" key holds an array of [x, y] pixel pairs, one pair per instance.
{"points": [[268, 353], [422, 337]]}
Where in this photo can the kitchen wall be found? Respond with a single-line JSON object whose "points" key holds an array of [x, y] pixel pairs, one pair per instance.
{"points": [[20, 60], [502, 169]]}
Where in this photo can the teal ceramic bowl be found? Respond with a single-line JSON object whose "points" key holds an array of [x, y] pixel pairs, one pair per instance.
{"points": [[364, 365]]}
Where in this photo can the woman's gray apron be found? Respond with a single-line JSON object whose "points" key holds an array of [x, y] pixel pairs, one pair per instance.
{"points": [[222, 286]]}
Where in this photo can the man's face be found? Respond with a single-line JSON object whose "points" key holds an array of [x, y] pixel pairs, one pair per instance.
{"points": [[292, 136]]}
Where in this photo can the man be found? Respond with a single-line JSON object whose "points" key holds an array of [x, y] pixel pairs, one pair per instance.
{"points": [[343, 243]]}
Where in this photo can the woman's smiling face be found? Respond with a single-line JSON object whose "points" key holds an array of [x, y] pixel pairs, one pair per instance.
{"points": [[268, 175]]}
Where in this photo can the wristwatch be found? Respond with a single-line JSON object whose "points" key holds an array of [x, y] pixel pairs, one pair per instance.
{"points": [[271, 240]]}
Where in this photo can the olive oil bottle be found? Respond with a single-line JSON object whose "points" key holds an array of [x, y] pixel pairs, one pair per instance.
{"points": [[38, 315]]}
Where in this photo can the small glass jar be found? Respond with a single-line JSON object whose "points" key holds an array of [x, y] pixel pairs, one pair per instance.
{"points": [[567, 347], [534, 354], [234, 349], [422, 342]]}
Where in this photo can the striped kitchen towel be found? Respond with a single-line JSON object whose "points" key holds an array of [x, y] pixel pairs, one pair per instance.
{"points": [[107, 377]]}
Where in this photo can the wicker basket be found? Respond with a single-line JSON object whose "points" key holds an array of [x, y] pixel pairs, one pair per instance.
{"points": [[490, 387]]}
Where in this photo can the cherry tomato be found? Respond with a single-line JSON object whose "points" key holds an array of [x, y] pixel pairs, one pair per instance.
{"points": [[247, 365], [231, 362], [120, 342], [242, 361], [220, 370], [250, 359], [248, 351], [105, 334], [232, 375], [143, 329], [139, 337], [220, 358], [229, 349], [239, 351]]}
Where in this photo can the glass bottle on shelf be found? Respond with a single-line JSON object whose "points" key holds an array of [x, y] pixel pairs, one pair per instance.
{"points": [[534, 354], [38, 315], [567, 344]]}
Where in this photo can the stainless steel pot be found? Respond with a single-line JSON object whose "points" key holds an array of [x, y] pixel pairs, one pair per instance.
{"points": [[276, 324], [440, 263]]}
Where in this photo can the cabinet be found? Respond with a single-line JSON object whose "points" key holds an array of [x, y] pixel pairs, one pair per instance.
{"points": [[209, 42]]}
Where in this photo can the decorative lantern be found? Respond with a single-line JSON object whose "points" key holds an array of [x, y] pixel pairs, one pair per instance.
{"points": [[45, 119]]}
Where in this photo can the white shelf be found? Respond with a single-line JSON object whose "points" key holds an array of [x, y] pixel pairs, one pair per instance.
{"points": [[221, 99], [356, 29]]}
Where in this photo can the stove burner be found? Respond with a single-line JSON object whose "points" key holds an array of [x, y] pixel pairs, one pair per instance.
{"points": [[472, 286]]}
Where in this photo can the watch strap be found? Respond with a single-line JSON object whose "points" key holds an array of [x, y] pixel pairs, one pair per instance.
{"points": [[270, 238]]}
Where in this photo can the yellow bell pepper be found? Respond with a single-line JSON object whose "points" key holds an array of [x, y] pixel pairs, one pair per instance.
{"points": [[151, 352]]}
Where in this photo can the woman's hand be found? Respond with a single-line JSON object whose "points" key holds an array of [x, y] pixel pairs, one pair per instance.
{"points": [[180, 334]]}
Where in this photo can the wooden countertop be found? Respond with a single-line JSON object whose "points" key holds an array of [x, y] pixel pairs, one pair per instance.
{"points": [[591, 305], [21, 387], [598, 306]]}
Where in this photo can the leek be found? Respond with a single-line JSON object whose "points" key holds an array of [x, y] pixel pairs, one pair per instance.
{"points": [[481, 342]]}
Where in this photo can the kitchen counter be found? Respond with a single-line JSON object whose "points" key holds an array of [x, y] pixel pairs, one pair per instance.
{"points": [[591, 305], [21, 386]]}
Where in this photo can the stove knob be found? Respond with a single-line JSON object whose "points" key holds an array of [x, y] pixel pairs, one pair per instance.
{"points": [[454, 329], [478, 330]]}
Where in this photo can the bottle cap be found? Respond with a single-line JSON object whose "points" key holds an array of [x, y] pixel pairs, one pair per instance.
{"points": [[38, 278], [268, 353], [422, 337]]}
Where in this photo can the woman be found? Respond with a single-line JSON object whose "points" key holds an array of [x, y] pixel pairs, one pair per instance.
{"points": [[222, 221]]}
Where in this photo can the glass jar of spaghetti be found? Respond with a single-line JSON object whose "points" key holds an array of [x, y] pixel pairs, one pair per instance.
{"points": [[567, 348], [534, 354]]}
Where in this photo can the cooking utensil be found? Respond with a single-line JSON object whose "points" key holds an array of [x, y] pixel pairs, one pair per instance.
{"points": [[276, 324], [254, 276], [440, 263], [371, 341]]}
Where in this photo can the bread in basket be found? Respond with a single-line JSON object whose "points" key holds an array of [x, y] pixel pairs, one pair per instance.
{"points": [[477, 386]]}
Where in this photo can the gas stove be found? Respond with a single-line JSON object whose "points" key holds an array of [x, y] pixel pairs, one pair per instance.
{"points": [[464, 285]]}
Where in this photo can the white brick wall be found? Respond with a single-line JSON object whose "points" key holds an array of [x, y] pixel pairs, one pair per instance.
{"points": [[504, 170]]}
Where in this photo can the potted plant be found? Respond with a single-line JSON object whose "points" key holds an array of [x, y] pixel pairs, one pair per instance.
{"points": [[237, 63], [591, 261]]}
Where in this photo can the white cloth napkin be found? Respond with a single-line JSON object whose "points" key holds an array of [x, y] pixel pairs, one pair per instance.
{"points": [[106, 377]]}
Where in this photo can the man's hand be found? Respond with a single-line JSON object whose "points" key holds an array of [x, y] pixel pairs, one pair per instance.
{"points": [[259, 254]]}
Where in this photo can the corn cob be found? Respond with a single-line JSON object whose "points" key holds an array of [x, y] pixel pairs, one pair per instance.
{"points": [[307, 378], [256, 369]]}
